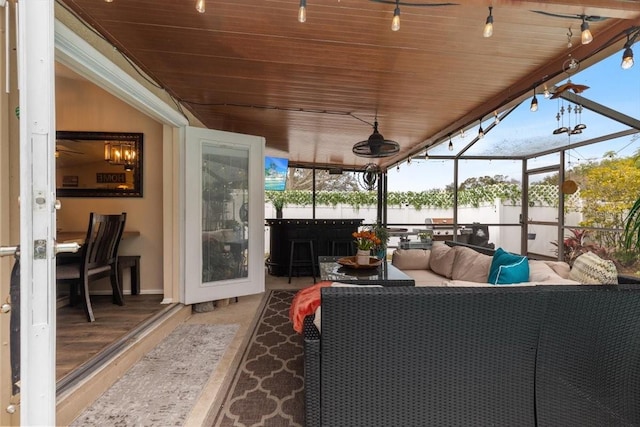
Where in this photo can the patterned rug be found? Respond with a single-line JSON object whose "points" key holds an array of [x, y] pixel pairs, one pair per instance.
{"points": [[267, 388], [161, 389]]}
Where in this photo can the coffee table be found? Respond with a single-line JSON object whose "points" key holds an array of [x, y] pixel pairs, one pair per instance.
{"points": [[385, 274]]}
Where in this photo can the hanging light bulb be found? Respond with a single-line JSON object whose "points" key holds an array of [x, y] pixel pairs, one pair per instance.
{"points": [[586, 36], [426, 153], [627, 59], [200, 6], [450, 143], [302, 11], [480, 131], [395, 22], [108, 1], [488, 26], [398, 167], [496, 119], [546, 92], [534, 102]]}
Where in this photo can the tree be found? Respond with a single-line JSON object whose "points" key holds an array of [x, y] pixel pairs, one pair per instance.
{"points": [[608, 190]]}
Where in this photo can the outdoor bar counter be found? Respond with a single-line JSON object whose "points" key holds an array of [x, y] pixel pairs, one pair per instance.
{"points": [[322, 231]]}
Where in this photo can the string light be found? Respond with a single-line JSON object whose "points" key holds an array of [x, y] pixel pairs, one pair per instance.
{"points": [[480, 130], [450, 143], [534, 102], [488, 26], [496, 119], [585, 37], [200, 6], [302, 11], [546, 92], [395, 22]]}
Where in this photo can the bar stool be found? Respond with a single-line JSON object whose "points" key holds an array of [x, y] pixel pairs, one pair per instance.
{"points": [[301, 261], [344, 247]]}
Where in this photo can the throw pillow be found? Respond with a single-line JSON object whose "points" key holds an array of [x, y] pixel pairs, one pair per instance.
{"points": [[589, 268], [470, 266], [411, 259], [441, 259], [507, 268]]}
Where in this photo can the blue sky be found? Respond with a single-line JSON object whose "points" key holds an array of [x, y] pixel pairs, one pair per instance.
{"points": [[608, 84]]}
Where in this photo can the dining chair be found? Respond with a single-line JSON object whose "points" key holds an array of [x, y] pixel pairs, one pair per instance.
{"points": [[98, 258]]}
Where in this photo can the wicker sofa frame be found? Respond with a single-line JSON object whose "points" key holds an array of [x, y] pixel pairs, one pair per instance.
{"points": [[499, 356]]}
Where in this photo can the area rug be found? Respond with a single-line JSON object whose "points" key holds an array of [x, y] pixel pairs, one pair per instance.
{"points": [[267, 388], [163, 386]]}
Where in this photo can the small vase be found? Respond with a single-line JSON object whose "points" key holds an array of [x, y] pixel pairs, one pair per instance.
{"points": [[362, 257]]}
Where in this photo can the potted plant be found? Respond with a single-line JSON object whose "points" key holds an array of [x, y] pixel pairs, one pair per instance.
{"points": [[383, 234], [366, 240]]}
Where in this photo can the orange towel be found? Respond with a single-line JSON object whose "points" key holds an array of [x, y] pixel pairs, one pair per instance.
{"points": [[305, 303]]}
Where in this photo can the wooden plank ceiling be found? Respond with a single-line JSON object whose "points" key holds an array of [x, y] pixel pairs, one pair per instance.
{"points": [[314, 89]]}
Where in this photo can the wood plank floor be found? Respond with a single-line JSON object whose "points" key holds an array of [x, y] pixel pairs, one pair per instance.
{"points": [[79, 340]]}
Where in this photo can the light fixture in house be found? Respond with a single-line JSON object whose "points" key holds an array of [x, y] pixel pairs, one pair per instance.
{"points": [[108, 1], [496, 119], [534, 102], [585, 34], [376, 146], [488, 26], [480, 131], [569, 42], [200, 7], [302, 11], [450, 143], [546, 92], [120, 153], [395, 22]]}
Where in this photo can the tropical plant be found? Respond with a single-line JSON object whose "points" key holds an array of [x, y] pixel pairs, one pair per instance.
{"points": [[577, 243], [383, 235]]}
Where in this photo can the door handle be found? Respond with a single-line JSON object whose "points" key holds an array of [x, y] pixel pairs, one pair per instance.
{"points": [[71, 247], [9, 250]]}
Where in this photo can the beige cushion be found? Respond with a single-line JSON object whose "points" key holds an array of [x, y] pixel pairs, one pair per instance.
{"points": [[441, 259], [410, 259], [470, 266], [560, 267], [589, 268], [426, 278], [539, 271]]}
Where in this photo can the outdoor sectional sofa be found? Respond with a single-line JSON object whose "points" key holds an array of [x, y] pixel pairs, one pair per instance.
{"points": [[566, 355]]}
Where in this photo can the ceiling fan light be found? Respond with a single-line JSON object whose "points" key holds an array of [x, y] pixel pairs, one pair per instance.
{"points": [[488, 26], [627, 58], [586, 37]]}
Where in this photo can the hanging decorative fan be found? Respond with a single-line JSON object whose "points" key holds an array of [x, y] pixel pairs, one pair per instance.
{"points": [[570, 67], [369, 176], [376, 146]]}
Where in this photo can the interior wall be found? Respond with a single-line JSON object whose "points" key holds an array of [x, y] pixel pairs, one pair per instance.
{"points": [[82, 106]]}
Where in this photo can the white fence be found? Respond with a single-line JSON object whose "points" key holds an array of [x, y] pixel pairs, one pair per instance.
{"points": [[507, 237]]}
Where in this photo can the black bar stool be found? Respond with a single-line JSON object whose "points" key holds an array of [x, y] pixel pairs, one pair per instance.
{"points": [[344, 247], [305, 258]]}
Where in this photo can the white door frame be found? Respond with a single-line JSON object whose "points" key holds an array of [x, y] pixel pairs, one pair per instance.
{"points": [[37, 213]]}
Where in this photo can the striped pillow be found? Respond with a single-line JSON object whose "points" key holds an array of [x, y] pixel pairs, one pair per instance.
{"points": [[590, 269]]}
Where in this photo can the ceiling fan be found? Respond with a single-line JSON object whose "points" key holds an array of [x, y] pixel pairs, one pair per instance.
{"points": [[376, 145]]}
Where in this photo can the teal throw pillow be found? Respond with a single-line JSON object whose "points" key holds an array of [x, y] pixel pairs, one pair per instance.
{"points": [[507, 268]]}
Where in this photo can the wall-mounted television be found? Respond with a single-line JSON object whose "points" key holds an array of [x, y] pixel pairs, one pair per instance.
{"points": [[275, 173]]}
